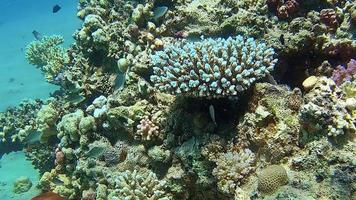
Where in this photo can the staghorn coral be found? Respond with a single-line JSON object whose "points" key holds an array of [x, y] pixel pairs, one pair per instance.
{"points": [[271, 178], [47, 55], [142, 184], [232, 168], [212, 67]]}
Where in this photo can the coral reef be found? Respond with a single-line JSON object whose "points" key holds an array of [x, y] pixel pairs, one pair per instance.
{"points": [[211, 67], [165, 100], [325, 111]]}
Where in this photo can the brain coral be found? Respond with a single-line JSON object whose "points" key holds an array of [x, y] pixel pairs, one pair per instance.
{"points": [[211, 67], [271, 178]]}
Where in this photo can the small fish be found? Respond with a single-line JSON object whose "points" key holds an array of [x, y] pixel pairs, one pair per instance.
{"points": [[271, 79], [56, 8], [159, 12], [32, 138], [11, 80], [75, 98], [37, 35], [57, 181], [48, 196], [95, 152], [120, 80], [281, 39], [212, 113]]}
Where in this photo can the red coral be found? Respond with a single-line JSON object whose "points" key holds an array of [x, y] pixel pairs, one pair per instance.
{"points": [[329, 18], [59, 157], [345, 50], [284, 9]]}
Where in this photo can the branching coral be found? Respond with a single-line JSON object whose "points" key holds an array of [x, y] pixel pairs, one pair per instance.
{"points": [[211, 67], [232, 168], [139, 185], [48, 55], [147, 129]]}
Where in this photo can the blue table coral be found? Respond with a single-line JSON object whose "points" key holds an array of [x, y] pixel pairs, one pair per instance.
{"points": [[211, 68]]}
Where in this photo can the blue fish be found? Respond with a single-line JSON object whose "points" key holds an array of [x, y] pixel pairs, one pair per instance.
{"points": [[56, 8]]}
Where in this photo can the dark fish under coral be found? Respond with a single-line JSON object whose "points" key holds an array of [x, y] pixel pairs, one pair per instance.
{"points": [[120, 80], [281, 39], [95, 152], [56, 8], [37, 35], [57, 181], [48, 196], [159, 12]]}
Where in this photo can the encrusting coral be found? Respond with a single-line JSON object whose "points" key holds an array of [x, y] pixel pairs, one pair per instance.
{"points": [[325, 110]]}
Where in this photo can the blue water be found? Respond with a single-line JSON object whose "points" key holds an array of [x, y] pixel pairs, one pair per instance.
{"points": [[18, 79]]}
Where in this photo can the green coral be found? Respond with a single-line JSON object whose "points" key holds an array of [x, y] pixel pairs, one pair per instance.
{"points": [[46, 119], [68, 127], [22, 185], [142, 184], [48, 55], [213, 17]]}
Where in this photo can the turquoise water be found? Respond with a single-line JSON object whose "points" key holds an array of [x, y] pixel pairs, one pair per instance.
{"points": [[18, 79]]}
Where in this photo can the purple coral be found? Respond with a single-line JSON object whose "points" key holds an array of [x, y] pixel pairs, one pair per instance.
{"points": [[342, 74]]}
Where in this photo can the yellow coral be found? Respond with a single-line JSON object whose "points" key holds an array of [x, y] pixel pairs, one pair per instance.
{"points": [[47, 55]]}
